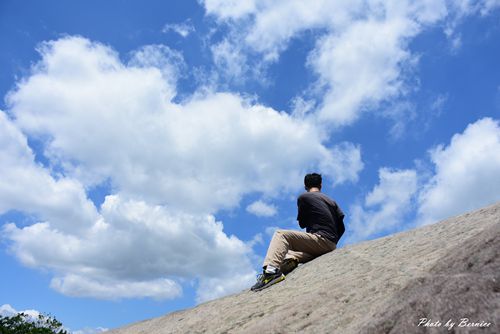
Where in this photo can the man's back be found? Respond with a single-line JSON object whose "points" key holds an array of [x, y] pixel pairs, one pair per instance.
{"points": [[318, 213]]}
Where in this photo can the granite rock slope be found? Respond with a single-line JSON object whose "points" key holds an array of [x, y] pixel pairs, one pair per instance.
{"points": [[443, 273]]}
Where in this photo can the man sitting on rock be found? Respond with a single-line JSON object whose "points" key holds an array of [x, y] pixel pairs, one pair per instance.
{"points": [[324, 223]]}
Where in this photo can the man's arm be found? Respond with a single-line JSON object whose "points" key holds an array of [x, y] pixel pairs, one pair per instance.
{"points": [[301, 213], [340, 221]]}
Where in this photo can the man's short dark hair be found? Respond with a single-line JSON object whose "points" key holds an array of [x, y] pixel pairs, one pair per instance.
{"points": [[312, 180]]}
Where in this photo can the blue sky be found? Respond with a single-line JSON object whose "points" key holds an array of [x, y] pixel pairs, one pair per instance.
{"points": [[148, 150]]}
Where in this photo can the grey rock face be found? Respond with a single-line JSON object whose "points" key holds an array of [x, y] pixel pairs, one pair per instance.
{"points": [[419, 281]]}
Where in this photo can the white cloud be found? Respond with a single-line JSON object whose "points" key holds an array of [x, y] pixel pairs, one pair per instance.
{"points": [[342, 163], [361, 58], [272, 26], [262, 209], [455, 41], [229, 8], [362, 67], [301, 107], [183, 29], [171, 166], [169, 62], [28, 187], [361, 55], [401, 113], [458, 11], [439, 103], [78, 286], [256, 240], [465, 178], [90, 330], [141, 243], [466, 173], [230, 61], [212, 288], [384, 206], [464, 8], [271, 229], [133, 250], [152, 148], [7, 311], [489, 5]]}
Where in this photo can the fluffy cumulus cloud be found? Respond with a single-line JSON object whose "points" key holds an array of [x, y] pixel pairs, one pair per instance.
{"points": [[464, 178], [384, 206], [28, 187], [262, 209], [128, 249], [466, 173], [170, 166], [360, 68], [338, 158], [103, 119], [361, 55]]}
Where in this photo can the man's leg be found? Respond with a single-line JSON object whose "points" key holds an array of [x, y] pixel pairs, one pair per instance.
{"points": [[306, 243], [282, 243]]}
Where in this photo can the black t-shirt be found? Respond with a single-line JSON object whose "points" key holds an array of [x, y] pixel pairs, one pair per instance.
{"points": [[318, 213]]}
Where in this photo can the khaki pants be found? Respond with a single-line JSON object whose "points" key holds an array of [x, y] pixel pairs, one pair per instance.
{"points": [[298, 245]]}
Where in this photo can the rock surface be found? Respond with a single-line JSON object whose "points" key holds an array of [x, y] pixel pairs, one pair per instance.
{"points": [[443, 272]]}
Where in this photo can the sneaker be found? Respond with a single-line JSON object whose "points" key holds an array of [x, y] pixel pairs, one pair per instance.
{"points": [[266, 280], [288, 265]]}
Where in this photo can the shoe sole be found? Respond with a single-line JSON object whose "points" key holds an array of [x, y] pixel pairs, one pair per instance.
{"points": [[274, 281]]}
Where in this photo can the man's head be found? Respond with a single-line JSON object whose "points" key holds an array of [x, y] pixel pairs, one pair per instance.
{"points": [[312, 180]]}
